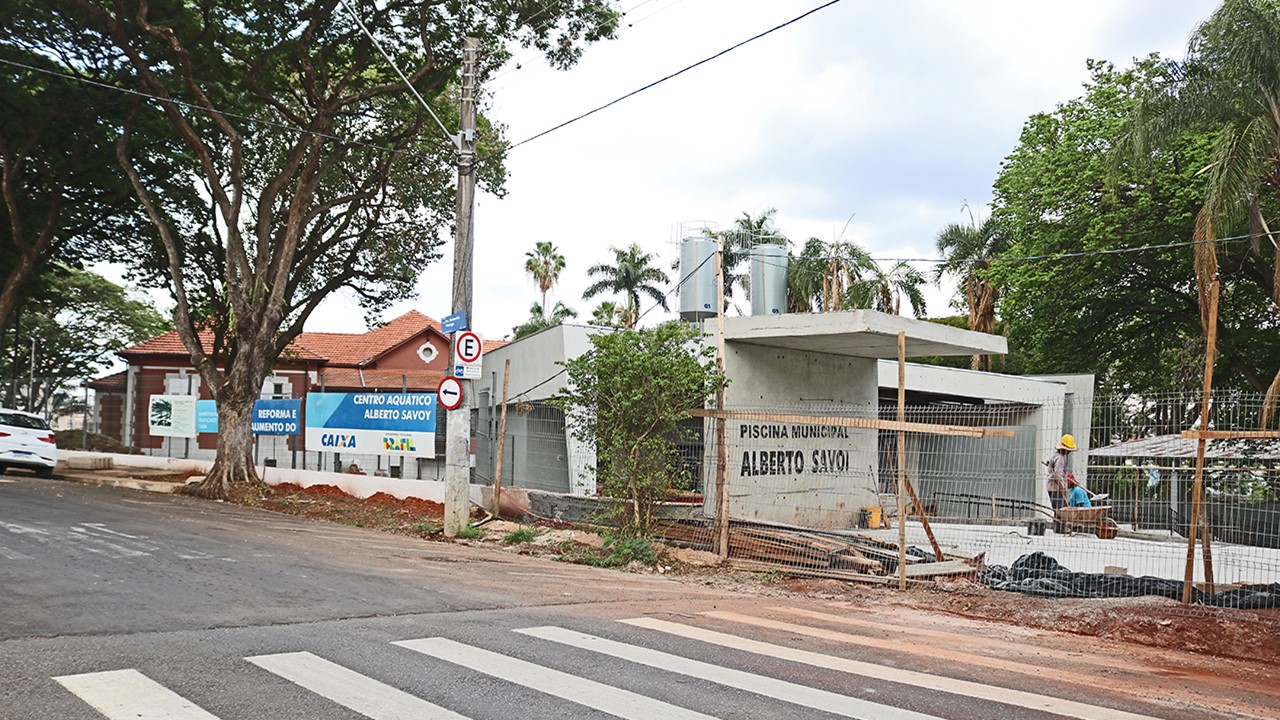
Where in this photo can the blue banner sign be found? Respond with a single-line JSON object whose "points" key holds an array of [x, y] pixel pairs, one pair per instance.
{"points": [[372, 423], [206, 416], [454, 322], [277, 417]]}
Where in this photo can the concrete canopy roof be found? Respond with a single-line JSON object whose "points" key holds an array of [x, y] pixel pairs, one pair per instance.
{"points": [[859, 333]]}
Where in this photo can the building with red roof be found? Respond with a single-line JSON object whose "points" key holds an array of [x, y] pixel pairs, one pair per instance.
{"points": [[410, 353]]}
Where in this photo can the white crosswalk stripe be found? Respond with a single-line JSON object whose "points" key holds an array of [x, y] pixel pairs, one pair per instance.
{"points": [[1019, 698], [130, 695], [369, 697], [770, 687], [615, 701]]}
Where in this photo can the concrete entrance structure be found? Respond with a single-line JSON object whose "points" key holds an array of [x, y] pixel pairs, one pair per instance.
{"points": [[815, 363], [834, 363]]}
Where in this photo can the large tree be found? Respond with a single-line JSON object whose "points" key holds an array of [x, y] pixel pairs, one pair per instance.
{"points": [[321, 170], [968, 252], [631, 274], [1089, 303], [64, 196], [1228, 87]]}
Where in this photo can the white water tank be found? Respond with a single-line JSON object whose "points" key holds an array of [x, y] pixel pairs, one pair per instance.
{"points": [[768, 279], [697, 279]]}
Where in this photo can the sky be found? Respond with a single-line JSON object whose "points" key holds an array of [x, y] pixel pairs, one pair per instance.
{"points": [[895, 113]]}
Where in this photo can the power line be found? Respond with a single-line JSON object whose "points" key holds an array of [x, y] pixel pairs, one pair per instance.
{"points": [[215, 111], [674, 74], [652, 308], [1025, 258], [493, 90], [454, 139]]}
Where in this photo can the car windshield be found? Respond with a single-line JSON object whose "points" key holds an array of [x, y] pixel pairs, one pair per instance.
{"points": [[23, 421]]}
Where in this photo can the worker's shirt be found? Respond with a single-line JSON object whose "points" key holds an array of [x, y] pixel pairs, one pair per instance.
{"points": [[1057, 480], [1078, 498]]}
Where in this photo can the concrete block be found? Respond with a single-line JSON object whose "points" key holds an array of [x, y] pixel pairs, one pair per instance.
{"points": [[90, 462]]}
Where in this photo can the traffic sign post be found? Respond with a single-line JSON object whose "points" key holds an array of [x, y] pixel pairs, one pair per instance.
{"points": [[449, 393], [467, 351]]}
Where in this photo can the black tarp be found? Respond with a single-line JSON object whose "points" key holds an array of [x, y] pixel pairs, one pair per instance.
{"points": [[1040, 574]]}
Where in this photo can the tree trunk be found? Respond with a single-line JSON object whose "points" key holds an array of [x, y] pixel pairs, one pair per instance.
{"points": [[233, 465]]}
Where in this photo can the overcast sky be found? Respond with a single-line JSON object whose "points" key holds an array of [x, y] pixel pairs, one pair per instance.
{"points": [[894, 112]]}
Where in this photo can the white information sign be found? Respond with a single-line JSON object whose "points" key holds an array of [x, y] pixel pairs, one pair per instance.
{"points": [[467, 351], [172, 415]]}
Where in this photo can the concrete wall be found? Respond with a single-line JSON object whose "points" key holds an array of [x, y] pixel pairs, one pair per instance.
{"points": [[819, 496], [361, 486]]}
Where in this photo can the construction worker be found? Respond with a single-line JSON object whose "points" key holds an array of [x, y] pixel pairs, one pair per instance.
{"points": [[1077, 496], [1056, 482]]}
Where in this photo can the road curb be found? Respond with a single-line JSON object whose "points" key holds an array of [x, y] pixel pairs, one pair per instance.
{"points": [[130, 483]]}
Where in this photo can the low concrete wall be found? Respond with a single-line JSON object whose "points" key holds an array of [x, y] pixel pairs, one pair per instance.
{"points": [[361, 486]]}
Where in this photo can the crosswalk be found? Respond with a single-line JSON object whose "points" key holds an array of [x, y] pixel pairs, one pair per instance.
{"points": [[657, 646]]}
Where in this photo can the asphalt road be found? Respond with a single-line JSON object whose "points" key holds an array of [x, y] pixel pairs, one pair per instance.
{"points": [[158, 606]]}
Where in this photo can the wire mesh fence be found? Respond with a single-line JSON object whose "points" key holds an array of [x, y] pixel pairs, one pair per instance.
{"points": [[813, 489], [801, 477]]}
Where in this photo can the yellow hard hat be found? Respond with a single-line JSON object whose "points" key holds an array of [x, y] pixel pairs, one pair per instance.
{"points": [[1067, 443]]}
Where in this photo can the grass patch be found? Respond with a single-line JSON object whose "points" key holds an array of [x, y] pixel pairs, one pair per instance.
{"points": [[470, 532], [619, 550], [520, 535]]}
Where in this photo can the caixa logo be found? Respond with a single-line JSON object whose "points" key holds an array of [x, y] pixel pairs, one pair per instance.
{"points": [[400, 444], [338, 441]]}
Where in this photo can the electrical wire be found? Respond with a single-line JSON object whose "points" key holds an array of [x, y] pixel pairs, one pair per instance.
{"points": [[494, 90], [197, 108], [677, 73], [454, 138], [639, 317], [1028, 258]]}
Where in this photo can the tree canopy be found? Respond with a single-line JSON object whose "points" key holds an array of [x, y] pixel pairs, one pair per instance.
{"points": [[1131, 318], [320, 169]]}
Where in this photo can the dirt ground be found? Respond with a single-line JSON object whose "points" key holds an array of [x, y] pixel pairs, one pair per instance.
{"points": [[1157, 622]]}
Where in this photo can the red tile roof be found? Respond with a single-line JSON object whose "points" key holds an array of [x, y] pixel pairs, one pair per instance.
{"points": [[351, 350], [355, 349], [170, 344], [341, 378], [116, 382]]}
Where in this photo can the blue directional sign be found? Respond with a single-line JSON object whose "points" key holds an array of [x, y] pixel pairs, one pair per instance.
{"points": [[454, 322]]}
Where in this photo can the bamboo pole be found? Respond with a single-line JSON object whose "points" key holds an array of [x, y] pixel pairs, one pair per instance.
{"points": [[902, 461], [502, 439], [1197, 492], [722, 439]]}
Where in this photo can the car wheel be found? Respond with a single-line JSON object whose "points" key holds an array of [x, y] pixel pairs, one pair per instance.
{"points": [[4, 469], [44, 472]]}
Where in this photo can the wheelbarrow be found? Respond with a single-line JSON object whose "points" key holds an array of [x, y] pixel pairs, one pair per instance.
{"points": [[1089, 519]]}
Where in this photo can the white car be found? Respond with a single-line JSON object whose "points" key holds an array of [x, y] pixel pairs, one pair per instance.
{"points": [[27, 442]]}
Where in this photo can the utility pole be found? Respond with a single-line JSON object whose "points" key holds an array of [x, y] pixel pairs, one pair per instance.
{"points": [[457, 452]]}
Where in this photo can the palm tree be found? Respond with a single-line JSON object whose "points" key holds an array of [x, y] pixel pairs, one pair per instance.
{"points": [[968, 251], [883, 290], [538, 320], [738, 242], [1229, 84], [805, 275], [630, 274], [607, 314], [544, 265]]}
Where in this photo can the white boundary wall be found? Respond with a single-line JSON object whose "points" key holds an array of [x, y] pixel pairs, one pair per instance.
{"points": [[360, 486]]}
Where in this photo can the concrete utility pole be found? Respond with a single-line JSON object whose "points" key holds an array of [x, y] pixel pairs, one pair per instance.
{"points": [[457, 449]]}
